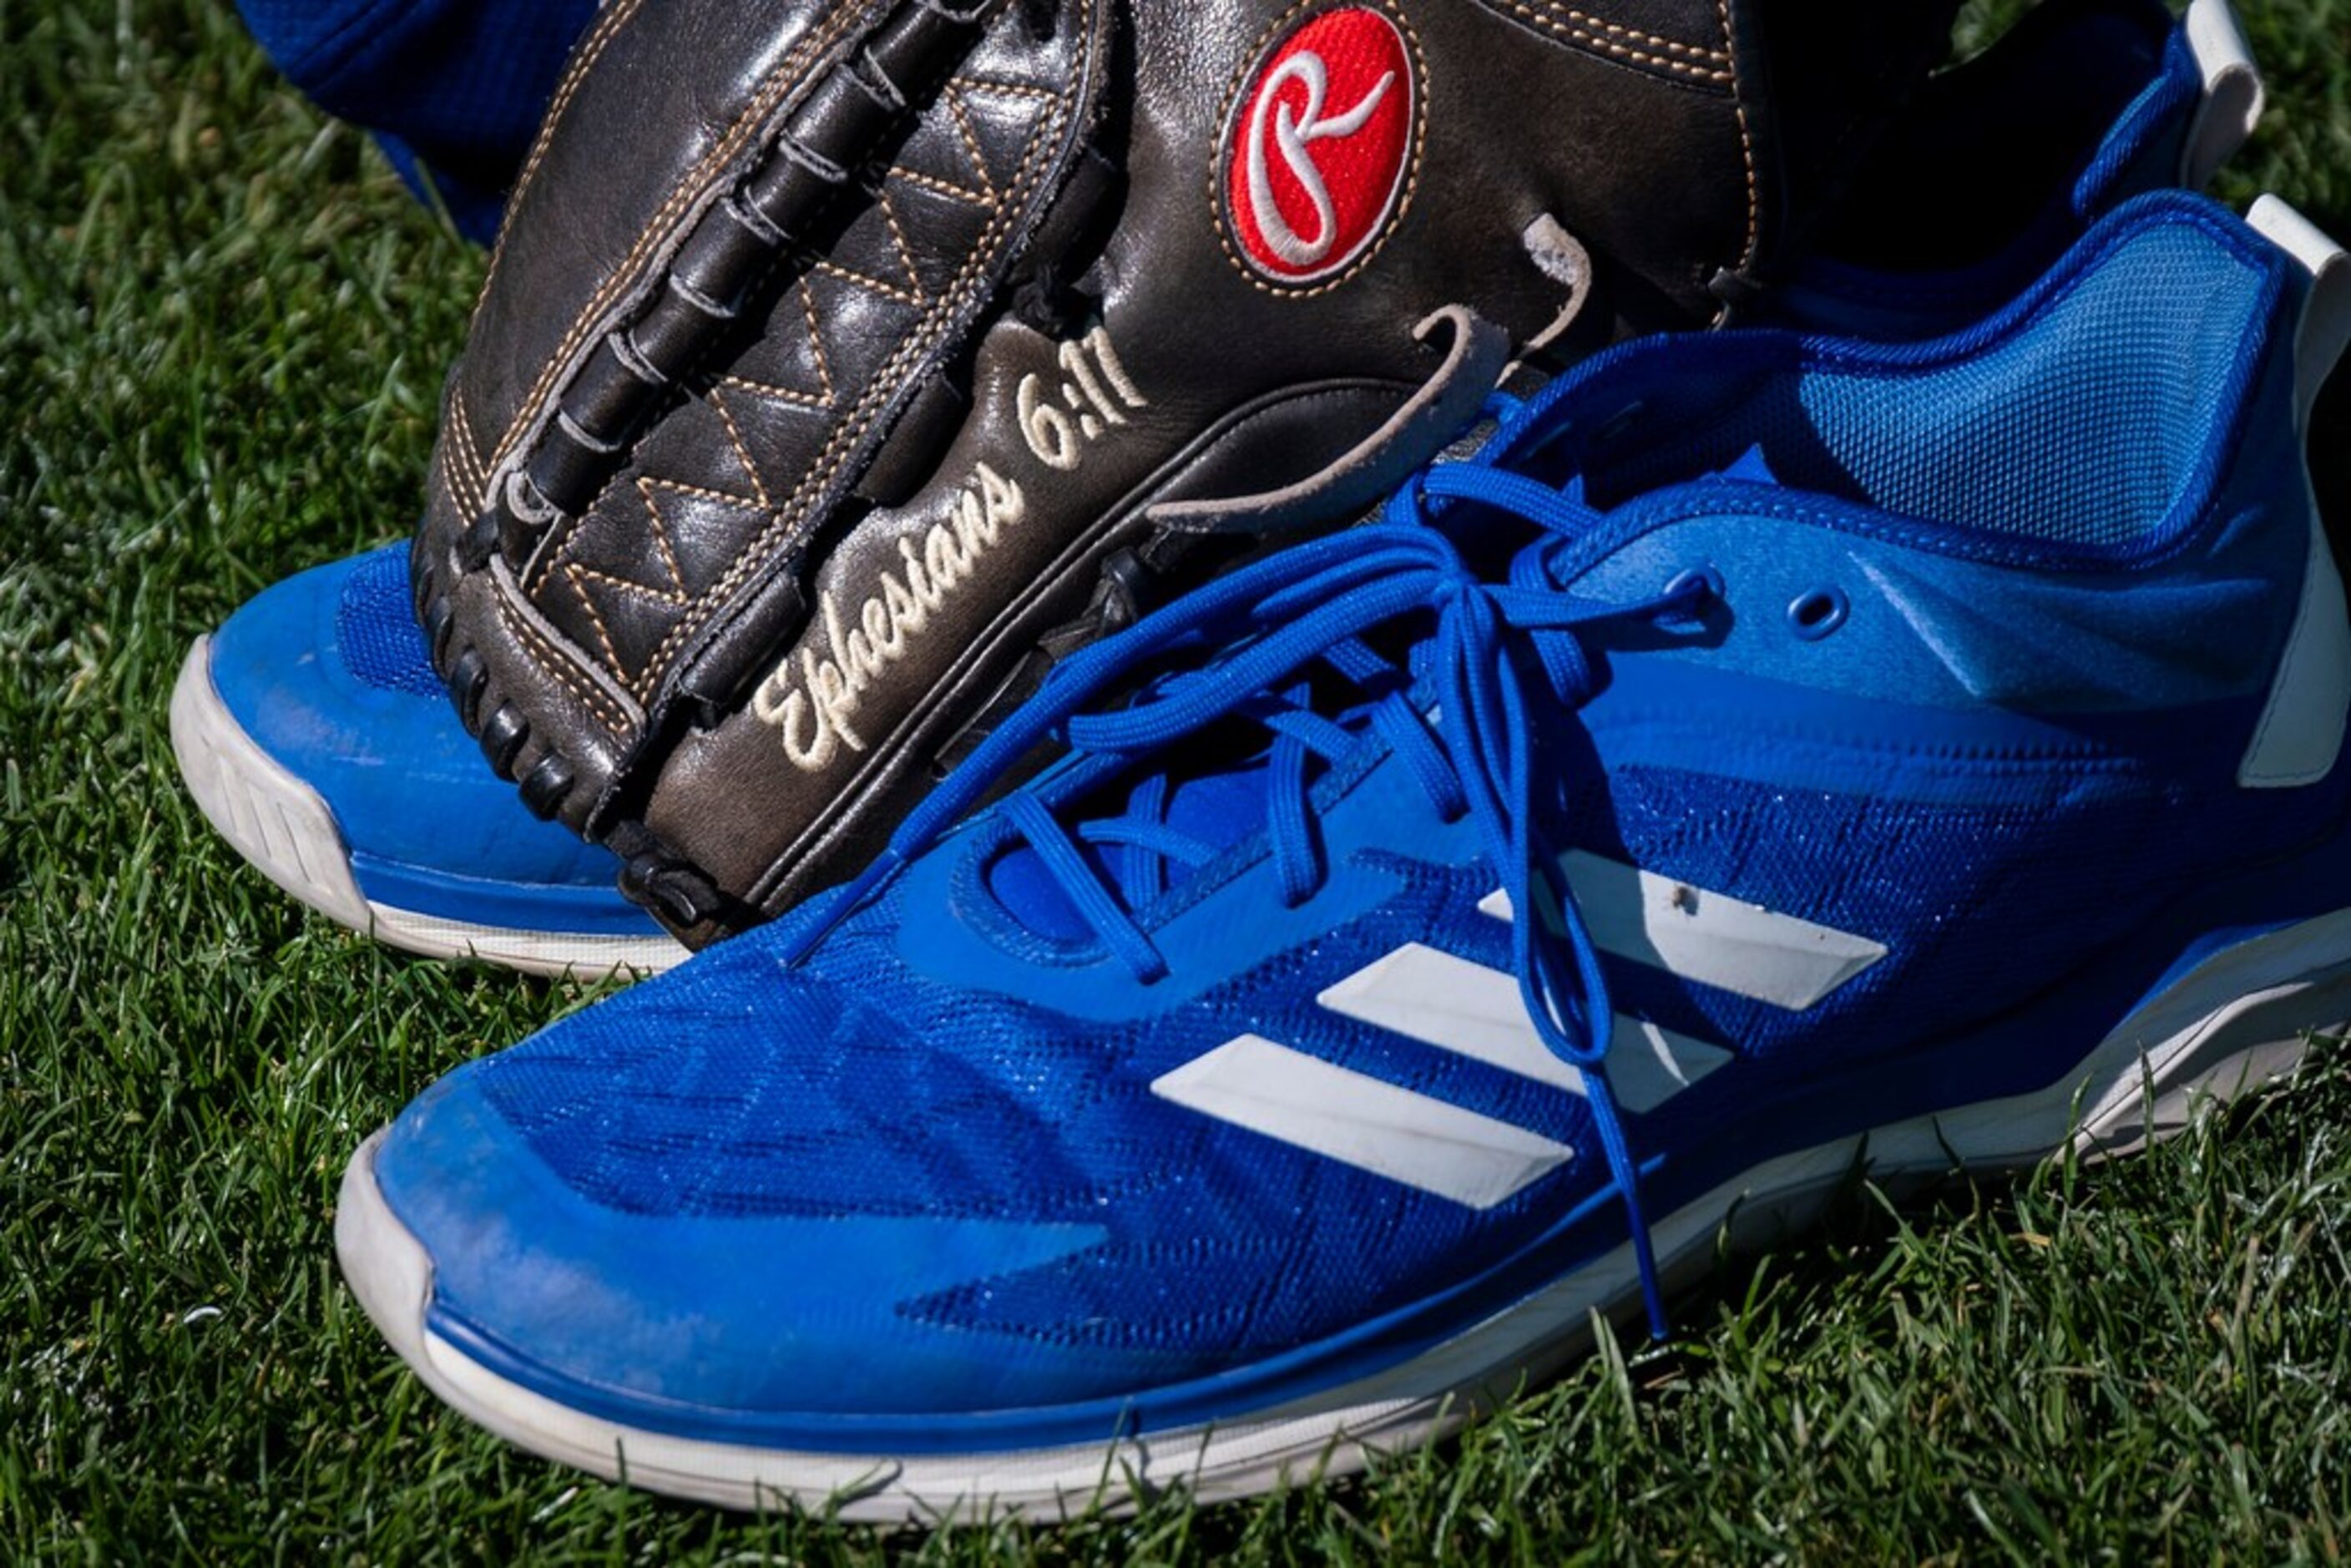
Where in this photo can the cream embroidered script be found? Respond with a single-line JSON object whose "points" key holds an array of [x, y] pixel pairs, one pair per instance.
{"points": [[812, 701]]}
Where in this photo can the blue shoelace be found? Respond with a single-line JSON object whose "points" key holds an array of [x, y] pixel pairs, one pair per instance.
{"points": [[1457, 721]]}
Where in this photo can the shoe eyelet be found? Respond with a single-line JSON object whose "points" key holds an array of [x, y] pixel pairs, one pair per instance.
{"points": [[1704, 577], [1817, 614], [1710, 584]]}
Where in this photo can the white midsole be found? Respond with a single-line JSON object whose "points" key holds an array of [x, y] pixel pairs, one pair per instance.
{"points": [[285, 828], [2236, 1022]]}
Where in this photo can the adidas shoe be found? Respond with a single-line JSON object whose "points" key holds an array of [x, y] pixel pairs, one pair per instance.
{"points": [[2144, 104], [313, 734], [1772, 752]]}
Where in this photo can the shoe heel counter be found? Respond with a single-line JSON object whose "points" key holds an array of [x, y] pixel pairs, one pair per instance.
{"points": [[2299, 738]]}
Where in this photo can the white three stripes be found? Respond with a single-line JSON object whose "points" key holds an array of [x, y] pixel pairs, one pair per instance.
{"points": [[1453, 1005], [1373, 1125], [1742, 948], [1474, 1012]]}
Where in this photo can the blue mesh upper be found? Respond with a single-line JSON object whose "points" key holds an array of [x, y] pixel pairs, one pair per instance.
{"points": [[2079, 435], [376, 627], [859, 1084], [2079, 432]]}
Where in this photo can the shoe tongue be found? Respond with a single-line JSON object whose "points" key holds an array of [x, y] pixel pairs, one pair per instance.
{"points": [[1220, 808], [1753, 468]]}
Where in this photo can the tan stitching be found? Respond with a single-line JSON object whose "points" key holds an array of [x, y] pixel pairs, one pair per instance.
{"points": [[469, 454], [1010, 90], [1746, 150], [878, 389], [662, 538], [953, 98], [647, 485], [788, 75], [1217, 165], [939, 187], [1553, 22], [1633, 34], [824, 398], [717, 402], [898, 237], [451, 484], [458, 440], [572, 575], [871, 284], [674, 595], [464, 497], [558, 662], [815, 343]]}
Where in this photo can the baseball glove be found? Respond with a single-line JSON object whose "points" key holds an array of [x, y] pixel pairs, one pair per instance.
{"points": [[843, 363]]}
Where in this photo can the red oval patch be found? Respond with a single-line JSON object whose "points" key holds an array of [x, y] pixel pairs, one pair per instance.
{"points": [[1320, 144]]}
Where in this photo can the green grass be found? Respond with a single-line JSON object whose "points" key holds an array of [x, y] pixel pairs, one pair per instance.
{"points": [[222, 328]]}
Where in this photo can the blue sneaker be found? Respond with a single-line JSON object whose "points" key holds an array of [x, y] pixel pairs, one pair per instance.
{"points": [[1770, 753], [313, 734], [2144, 105]]}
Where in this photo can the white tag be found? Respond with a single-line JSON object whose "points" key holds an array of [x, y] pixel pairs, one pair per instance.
{"points": [[2301, 732], [2234, 93], [2326, 318]]}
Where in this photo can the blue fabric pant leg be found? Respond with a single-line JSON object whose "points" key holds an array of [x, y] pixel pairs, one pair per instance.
{"points": [[454, 88]]}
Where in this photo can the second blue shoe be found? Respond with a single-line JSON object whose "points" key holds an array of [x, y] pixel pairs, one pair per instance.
{"points": [[314, 734]]}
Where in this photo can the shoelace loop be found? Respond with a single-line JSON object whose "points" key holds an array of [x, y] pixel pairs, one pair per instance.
{"points": [[1492, 645]]}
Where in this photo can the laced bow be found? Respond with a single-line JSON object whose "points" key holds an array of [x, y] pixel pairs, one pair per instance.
{"points": [[1492, 646]]}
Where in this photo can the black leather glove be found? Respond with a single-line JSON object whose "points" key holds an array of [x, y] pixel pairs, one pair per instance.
{"points": [[843, 363]]}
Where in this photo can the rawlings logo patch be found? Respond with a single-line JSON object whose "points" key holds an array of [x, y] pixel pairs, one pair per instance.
{"points": [[1319, 146]]}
